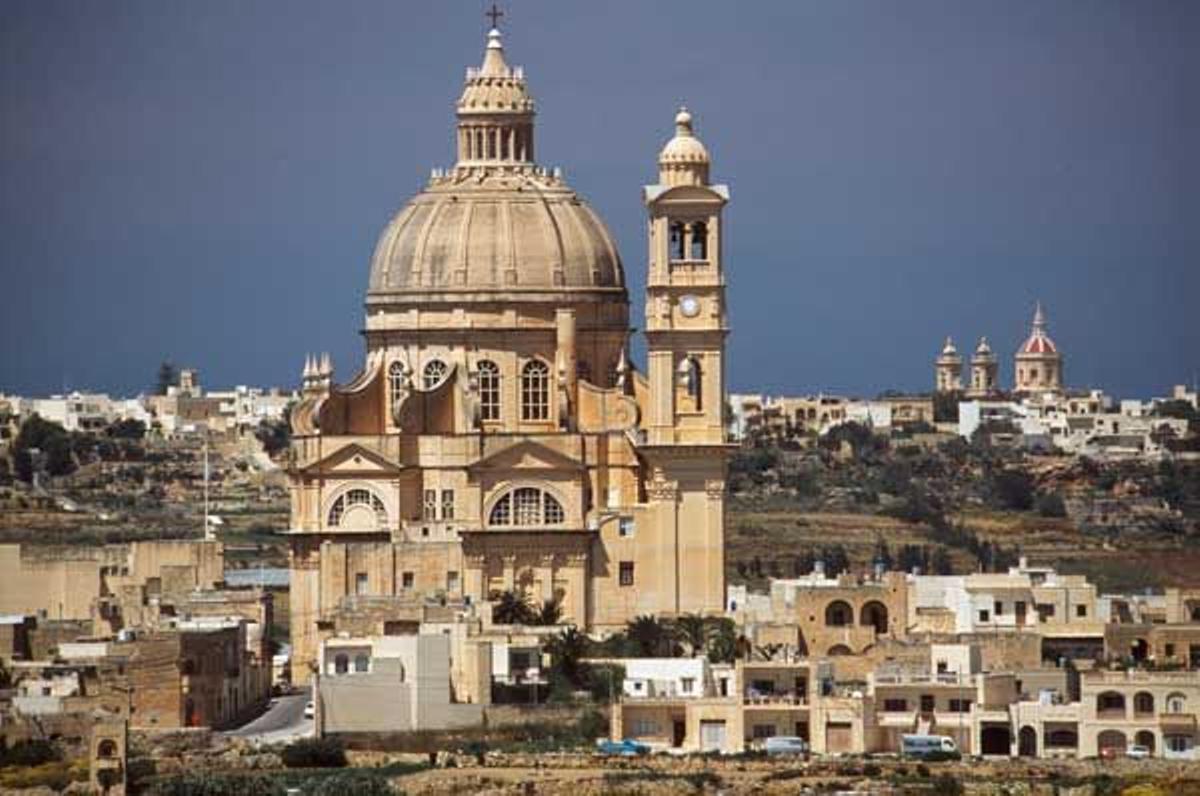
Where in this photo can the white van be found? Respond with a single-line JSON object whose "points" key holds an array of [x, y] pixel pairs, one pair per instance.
{"points": [[785, 745], [922, 745]]}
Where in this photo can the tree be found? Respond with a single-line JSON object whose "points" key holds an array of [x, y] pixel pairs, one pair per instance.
{"points": [[1013, 489], [1051, 505], [49, 438], [941, 563], [167, 376], [127, 428], [511, 608], [566, 650], [722, 639], [692, 629], [652, 637], [549, 614]]}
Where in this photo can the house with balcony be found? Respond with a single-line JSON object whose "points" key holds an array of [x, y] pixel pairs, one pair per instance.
{"points": [[1155, 709], [690, 705]]}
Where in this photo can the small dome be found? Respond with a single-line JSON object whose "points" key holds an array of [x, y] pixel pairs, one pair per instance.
{"points": [[685, 147], [1038, 343], [983, 350]]}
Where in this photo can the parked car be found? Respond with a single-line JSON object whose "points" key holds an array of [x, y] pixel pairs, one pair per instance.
{"points": [[785, 745], [1138, 752], [310, 710], [625, 748]]}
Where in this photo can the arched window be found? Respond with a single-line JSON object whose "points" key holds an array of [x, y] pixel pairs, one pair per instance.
{"points": [[353, 498], [395, 382], [535, 391], [341, 663], [107, 748], [699, 241], [676, 240], [839, 614], [1176, 703], [1143, 702], [1110, 702], [434, 373], [361, 663], [525, 507], [489, 390], [690, 381]]}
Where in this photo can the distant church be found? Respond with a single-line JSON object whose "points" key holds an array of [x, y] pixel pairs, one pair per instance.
{"points": [[498, 437], [1038, 366]]}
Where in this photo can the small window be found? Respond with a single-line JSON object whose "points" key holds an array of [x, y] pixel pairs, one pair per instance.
{"points": [[960, 706], [686, 684], [625, 527], [761, 731], [1081, 611], [489, 390], [626, 573], [434, 373], [429, 510], [699, 241], [361, 584], [535, 391], [395, 382], [362, 663], [447, 504], [676, 240], [341, 663], [927, 703], [452, 583], [983, 615], [406, 580], [895, 705], [998, 608]]}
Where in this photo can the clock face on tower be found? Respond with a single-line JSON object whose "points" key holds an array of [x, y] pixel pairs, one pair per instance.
{"points": [[689, 306]]}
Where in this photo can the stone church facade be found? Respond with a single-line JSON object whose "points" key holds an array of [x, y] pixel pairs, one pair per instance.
{"points": [[498, 437]]}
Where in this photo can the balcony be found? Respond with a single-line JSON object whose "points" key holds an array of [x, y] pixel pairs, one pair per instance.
{"points": [[1181, 723]]}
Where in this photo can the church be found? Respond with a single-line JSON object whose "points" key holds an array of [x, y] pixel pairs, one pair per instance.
{"points": [[498, 437]]}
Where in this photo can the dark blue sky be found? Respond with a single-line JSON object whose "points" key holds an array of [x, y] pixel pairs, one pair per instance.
{"points": [[205, 181]]}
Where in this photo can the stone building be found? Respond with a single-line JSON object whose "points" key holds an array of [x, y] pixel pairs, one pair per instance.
{"points": [[1039, 363], [498, 437], [948, 369], [984, 371]]}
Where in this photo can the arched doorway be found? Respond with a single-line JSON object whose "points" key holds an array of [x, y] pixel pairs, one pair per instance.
{"points": [[839, 649], [995, 740], [874, 614], [839, 614], [1145, 738], [1111, 742], [1027, 742]]}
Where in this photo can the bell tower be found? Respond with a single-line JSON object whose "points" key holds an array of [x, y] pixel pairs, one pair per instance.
{"points": [[685, 295], [685, 447]]}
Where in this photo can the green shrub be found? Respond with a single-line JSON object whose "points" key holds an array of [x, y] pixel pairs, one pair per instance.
{"points": [[1051, 505], [315, 753], [359, 783], [33, 752], [210, 784], [947, 785]]}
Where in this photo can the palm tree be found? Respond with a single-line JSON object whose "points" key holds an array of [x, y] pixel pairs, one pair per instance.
{"points": [[511, 608], [651, 636], [549, 614], [692, 629], [722, 639], [567, 649]]}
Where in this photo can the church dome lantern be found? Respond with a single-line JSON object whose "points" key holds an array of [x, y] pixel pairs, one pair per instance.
{"points": [[496, 227], [684, 159]]}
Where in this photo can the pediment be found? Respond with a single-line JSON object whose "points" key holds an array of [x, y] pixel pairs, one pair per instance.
{"points": [[527, 455], [689, 194], [354, 458]]}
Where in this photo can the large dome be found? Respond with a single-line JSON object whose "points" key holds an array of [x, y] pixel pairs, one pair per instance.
{"points": [[500, 231], [496, 226]]}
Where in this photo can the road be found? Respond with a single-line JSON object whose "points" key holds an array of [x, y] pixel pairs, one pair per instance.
{"points": [[283, 721]]}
